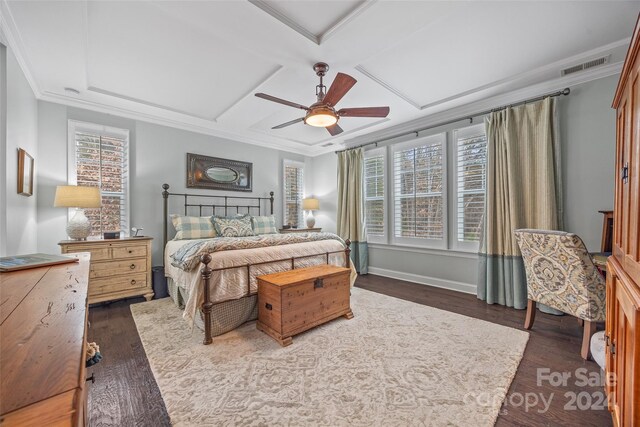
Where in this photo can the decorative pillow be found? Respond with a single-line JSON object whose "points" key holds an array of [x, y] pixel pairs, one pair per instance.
{"points": [[192, 227], [264, 224], [233, 227]]}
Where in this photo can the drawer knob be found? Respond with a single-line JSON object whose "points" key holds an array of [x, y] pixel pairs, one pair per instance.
{"points": [[130, 252], [268, 306], [92, 378], [132, 266], [133, 281], [319, 283]]}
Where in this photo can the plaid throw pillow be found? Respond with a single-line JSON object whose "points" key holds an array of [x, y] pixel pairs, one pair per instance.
{"points": [[264, 224], [192, 227], [233, 227]]}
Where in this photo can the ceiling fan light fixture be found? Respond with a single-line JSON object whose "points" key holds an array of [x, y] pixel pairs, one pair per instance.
{"points": [[321, 117]]}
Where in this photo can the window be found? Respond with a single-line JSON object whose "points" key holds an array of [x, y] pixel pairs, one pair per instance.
{"points": [[471, 166], [420, 205], [374, 177], [293, 193], [419, 191], [99, 157]]}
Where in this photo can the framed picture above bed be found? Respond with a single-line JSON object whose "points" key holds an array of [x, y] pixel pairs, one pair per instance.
{"points": [[218, 174]]}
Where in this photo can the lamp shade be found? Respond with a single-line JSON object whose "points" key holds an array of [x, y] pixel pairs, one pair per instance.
{"points": [[73, 196], [310, 204]]}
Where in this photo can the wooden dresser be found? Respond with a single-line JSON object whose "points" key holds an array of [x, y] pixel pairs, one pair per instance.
{"points": [[120, 268], [43, 332], [622, 330], [294, 301]]}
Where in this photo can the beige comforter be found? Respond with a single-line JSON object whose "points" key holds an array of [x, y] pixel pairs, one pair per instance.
{"points": [[238, 282]]}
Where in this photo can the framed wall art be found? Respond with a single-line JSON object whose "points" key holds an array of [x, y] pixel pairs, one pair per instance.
{"points": [[218, 174], [25, 173]]}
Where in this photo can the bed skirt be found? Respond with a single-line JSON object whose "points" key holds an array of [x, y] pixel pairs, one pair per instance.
{"points": [[225, 316]]}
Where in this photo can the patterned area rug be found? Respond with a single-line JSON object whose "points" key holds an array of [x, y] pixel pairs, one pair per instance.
{"points": [[395, 363]]}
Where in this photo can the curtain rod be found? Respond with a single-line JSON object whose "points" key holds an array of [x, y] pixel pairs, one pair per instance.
{"points": [[565, 91]]}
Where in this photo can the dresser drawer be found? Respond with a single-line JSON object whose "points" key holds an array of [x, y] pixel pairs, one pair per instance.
{"points": [[117, 284], [97, 254], [127, 252], [113, 268]]}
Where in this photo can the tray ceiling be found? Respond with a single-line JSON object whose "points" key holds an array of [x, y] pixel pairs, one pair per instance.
{"points": [[196, 65]]}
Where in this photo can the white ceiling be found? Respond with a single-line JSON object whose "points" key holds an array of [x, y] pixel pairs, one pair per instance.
{"points": [[196, 65]]}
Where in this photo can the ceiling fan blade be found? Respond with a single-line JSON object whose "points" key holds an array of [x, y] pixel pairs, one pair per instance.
{"points": [[292, 122], [334, 129], [340, 86], [281, 101], [364, 112]]}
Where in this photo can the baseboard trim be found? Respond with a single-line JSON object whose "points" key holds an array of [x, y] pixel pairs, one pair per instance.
{"points": [[466, 288]]}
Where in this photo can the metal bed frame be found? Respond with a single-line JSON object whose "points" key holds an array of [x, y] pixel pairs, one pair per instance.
{"points": [[228, 203]]}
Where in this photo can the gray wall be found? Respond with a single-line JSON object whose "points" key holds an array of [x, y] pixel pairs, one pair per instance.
{"points": [[19, 127], [587, 130], [158, 155], [323, 183], [588, 136]]}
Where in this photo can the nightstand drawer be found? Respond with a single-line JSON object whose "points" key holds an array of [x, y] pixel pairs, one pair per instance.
{"points": [[117, 284], [97, 254], [120, 268], [128, 251], [113, 268]]}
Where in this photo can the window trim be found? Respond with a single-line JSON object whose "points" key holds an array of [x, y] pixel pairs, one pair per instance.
{"points": [[74, 126], [457, 133], [385, 209], [451, 247], [300, 165], [440, 137]]}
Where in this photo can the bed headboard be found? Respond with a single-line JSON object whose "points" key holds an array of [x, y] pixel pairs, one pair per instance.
{"points": [[214, 205]]}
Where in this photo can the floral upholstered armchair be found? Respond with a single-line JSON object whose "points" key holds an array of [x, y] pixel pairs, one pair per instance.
{"points": [[561, 275]]}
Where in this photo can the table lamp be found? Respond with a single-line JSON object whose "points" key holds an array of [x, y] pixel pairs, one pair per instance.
{"points": [[72, 196], [310, 205]]}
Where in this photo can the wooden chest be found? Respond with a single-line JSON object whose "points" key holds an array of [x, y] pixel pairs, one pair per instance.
{"points": [[120, 268], [294, 301]]}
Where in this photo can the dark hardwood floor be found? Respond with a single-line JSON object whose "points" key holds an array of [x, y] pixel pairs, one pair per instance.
{"points": [[126, 394]]}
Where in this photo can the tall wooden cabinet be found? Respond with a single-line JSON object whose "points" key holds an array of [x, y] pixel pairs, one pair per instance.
{"points": [[623, 279]]}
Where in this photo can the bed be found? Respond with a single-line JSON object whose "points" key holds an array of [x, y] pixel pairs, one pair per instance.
{"points": [[214, 280]]}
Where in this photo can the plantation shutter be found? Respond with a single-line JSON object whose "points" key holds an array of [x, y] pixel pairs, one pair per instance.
{"points": [[374, 194], [294, 193], [418, 191], [471, 160], [102, 161]]}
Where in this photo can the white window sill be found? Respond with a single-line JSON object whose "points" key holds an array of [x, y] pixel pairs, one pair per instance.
{"points": [[420, 249]]}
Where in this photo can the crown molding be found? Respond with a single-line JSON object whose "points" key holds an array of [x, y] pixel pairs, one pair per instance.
{"points": [[527, 76], [315, 38], [178, 120], [496, 101], [14, 41], [345, 20], [270, 75], [178, 124], [147, 103]]}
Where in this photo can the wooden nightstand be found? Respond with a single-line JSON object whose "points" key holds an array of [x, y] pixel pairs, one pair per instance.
{"points": [[120, 268], [300, 230]]}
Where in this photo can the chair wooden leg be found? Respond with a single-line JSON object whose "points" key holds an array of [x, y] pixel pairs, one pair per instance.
{"points": [[531, 314], [588, 331]]}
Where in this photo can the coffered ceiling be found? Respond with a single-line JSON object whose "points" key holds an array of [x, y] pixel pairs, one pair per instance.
{"points": [[196, 65]]}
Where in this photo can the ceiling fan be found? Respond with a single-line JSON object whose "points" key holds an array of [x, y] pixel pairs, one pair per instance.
{"points": [[322, 113]]}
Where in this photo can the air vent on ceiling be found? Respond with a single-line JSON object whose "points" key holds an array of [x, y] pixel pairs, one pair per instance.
{"points": [[328, 144], [586, 65]]}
